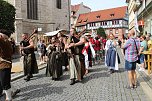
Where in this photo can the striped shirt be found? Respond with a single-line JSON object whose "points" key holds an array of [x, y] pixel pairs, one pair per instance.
{"points": [[130, 49]]}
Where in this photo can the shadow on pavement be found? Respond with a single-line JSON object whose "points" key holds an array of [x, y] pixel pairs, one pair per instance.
{"points": [[121, 70], [64, 77], [98, 69], [143, 79], [38, 76], [36, 91], [95, 76]]}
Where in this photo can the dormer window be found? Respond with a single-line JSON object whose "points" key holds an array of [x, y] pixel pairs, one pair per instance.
{"points": [[73, 12], [80, 21], [98, 16], [112, 15], [85, 20]]}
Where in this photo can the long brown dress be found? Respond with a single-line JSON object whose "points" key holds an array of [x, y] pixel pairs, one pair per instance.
{"points": [[54, 63]]}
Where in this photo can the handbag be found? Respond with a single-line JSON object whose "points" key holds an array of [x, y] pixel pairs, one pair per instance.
{"points": [[138, 61]]}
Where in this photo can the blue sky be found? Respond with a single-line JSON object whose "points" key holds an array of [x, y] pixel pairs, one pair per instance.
{"points": [[100, 4]]}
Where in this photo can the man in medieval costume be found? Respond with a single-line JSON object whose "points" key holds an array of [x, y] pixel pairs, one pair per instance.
{"points": [[29, 61], [76, 71]]}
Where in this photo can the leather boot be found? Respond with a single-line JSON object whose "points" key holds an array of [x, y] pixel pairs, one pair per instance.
{"points": [[72, 82]]}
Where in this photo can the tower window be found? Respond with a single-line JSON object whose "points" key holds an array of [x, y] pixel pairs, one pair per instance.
{"points": [[58, 4]]}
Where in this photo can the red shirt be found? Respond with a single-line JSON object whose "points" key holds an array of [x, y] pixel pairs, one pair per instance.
{"points": [[92, 41], [97, 45], [104, 42]]}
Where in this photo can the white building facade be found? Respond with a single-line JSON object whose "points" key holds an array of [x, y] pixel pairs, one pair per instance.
{"points": [[143, 9], [109, 19]]}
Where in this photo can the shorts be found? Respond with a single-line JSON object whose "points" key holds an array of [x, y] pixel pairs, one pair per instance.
{"points": [[142, 58], [130, 65]]}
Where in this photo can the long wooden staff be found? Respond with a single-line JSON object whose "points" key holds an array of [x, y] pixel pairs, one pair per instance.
{"points": [[32, 35]]}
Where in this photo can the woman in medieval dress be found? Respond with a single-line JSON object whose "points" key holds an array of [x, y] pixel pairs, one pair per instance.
{"points": [[54, 63], [111, 56]]}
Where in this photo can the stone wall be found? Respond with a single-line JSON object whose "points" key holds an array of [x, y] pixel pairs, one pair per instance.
{"points": [[49, 17]]}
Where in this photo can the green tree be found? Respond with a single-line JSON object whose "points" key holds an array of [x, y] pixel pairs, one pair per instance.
{"points": [[7, 16], [101, 32]]}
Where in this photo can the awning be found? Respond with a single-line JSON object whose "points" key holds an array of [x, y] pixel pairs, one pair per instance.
{"points": [[55, 32]]}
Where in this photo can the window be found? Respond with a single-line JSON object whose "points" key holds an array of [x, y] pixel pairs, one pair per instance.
{"points": [[105, 23], [117, 22], [112, 15], [101, 23], [85, 20], [113, 22], [58, 4], [98, 16], [32, 9], [90, 25], [80, 21], [74, 12]]}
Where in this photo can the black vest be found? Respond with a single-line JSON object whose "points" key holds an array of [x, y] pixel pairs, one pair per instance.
{"points": [[25, 43], [76, 50]]}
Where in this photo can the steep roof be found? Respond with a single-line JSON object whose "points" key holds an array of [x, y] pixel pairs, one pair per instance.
{"points": [[75, 7], [102, 15]]}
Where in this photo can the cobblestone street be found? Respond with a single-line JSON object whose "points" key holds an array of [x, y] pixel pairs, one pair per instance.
{"points": [[98, 85], [48, 36]]}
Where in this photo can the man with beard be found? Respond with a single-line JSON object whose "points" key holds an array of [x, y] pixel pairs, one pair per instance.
{"points": [[27, 50], [76, 66]]}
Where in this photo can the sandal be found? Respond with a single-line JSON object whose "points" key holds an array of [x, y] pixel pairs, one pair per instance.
{"points": [[130, 87], [135, 86], [16, 92]]}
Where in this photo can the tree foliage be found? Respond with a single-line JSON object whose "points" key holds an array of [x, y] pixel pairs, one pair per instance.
{"points": [[101, 32], [7, 16]]}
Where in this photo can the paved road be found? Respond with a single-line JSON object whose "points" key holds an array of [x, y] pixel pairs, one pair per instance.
{"points": [[98, 85]]}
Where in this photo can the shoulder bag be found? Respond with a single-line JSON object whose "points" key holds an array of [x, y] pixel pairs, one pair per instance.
{"points": [[138, 61]]}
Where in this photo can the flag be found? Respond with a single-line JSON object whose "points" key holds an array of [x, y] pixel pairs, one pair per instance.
{"points": [[136, 24]]}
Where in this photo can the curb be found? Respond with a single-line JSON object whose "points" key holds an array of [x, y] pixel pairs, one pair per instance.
{"points": [[22, 74], [144, 84], [145, 87]]}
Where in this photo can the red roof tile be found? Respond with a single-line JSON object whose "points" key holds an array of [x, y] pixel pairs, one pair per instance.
{"points": [[102, 15]]}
